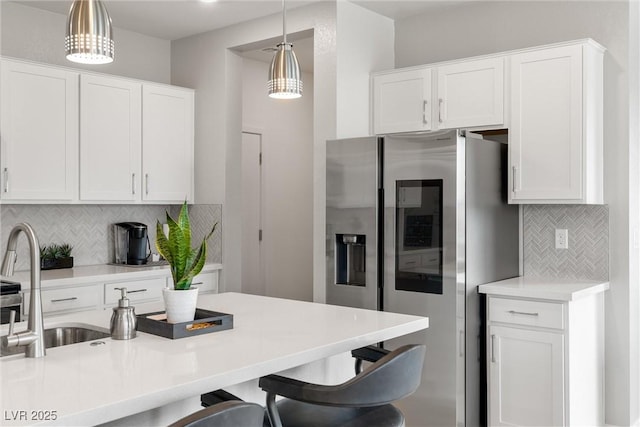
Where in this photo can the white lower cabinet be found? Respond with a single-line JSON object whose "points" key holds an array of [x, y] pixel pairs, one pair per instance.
{"points": [[527, 377], [101, 295], [545, 361]]}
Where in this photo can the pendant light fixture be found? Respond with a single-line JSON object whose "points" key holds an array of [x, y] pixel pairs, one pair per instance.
{"points": [[89, 34], [285, 81]]}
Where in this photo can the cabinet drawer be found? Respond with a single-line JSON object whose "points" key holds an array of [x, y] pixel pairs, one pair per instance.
{"points": [[529, 313], [206, 282], [139, 290], [67, 299]]}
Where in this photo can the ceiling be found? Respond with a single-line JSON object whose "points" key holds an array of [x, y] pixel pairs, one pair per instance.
{"points": [[175, 19]]}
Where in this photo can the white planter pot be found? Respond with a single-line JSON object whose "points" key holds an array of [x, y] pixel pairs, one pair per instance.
{"points": [[180, 305]]}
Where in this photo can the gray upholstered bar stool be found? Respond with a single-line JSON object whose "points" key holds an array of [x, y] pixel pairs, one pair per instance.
{"points": [[234, 413], [363, 401], [223, 409]]}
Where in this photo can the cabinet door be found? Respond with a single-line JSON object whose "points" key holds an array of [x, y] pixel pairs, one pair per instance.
{"points": [[545, 146], [167, 144], [471, 94], [110, 140], [526, 377], [402, 101], [39, 120]]}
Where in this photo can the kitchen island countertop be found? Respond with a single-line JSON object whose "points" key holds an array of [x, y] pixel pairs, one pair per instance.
{"points": [[88, 385]]}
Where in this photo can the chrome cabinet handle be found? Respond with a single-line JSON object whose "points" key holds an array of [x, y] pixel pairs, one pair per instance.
{"points": [[493, 353], [440, 102], [133, 183], [523, 313], [146, 185], [514, 172], [424, 111], [6, 180], [136, 290], [64, 299]]}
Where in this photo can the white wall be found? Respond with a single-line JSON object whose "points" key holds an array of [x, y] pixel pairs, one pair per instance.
{"points": [[364, 44], [38, 35], [484, 27], [207, 63], [287, 171]]}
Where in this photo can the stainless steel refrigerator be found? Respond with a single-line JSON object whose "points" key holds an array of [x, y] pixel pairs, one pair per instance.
{"points": [[414, 224]]}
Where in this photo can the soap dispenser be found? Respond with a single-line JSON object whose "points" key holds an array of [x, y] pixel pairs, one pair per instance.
{"points": [[123, 319]]}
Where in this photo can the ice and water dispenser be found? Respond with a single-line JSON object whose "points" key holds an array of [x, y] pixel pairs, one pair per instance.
{"points": [[351, 259]]}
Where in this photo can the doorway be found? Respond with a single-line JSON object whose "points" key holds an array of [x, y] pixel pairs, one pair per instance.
{"points": [[252, 213]]}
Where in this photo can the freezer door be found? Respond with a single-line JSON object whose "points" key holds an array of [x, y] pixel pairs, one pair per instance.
{"points": [[424, 265], [351, 222]]}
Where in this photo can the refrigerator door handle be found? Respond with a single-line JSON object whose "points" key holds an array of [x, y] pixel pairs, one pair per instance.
{"points": [[461, 343]]}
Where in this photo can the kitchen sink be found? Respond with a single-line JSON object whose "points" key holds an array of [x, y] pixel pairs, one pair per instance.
{"points": [[62, 335]]}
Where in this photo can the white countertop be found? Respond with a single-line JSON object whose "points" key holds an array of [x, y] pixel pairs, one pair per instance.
{"points": [[87, 385], [96, 273], [544, 288]]}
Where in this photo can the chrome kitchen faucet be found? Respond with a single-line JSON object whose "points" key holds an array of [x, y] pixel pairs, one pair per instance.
{"points": [[33, 337]]}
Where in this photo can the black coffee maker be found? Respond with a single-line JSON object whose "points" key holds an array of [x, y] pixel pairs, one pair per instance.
{"points": [[132, 245]]}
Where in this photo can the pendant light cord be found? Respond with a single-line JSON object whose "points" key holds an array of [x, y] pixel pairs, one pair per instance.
{"points": [[284, 22]]}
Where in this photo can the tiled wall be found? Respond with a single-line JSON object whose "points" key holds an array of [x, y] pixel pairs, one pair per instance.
{"points": [[88, 228], [588, 254]]}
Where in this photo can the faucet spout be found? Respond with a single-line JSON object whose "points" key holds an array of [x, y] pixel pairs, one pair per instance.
{"points": [[33, 338]]}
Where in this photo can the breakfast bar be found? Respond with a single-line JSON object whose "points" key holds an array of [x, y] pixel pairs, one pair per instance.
{"points": [[89, 384]]}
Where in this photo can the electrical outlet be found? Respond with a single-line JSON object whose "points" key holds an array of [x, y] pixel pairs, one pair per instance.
{"points": [[562, 238]]}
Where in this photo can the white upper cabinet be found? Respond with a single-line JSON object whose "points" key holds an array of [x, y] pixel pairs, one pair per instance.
{"points": [[39, 120], [555, 138], [471, 93], [167, 143], [110, 139], [77, 137], [463, 94], [402, 101]]}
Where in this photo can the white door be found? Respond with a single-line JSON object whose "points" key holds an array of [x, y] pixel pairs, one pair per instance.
{"points": [[402, 101], [110, 139], [471, 93], [526, 377], [39, 120], [252, 268], [545, 146], [167, 144]]}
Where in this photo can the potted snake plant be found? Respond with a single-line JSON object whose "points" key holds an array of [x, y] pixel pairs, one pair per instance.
{"points": [[184, 261]]}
